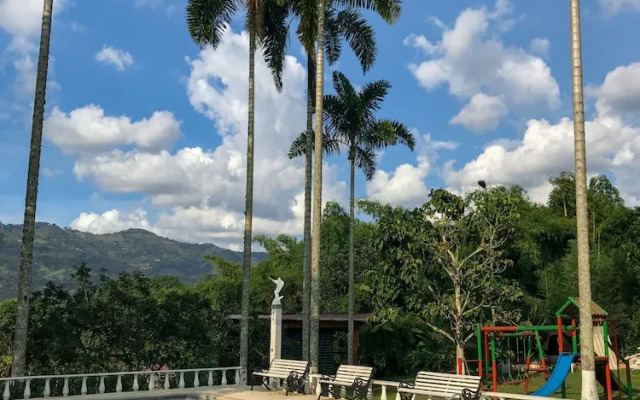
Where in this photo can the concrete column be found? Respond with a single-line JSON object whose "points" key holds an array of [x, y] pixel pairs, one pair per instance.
{"points": [[275, 344]]}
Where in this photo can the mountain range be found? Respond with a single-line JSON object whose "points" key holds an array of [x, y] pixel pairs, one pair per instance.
{"points": [[58, 250]]}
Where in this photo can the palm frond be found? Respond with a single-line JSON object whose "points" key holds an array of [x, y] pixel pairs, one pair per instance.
{"points": [[274, 41], [207, 19], [384, 133], [360, 36], [389, 10], [332, 36], [366, 160], [373, 94], [298, 148]]}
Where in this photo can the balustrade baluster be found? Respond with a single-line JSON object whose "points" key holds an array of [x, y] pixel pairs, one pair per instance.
{"points": [[370, 393], [27, 389], [224, 377], [383, 395], [210, 380], [181, 384], [83, 390], [65, 388], [47, 387], [119, 384], [398, 396], [237, 377], [101, 386], [136, 385], [167, 385], [196, 379], [7, 391]]}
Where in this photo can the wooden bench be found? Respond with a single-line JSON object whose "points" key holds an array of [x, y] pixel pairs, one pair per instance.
{"points": [[347, 376], [293, 371], [448, 386]]}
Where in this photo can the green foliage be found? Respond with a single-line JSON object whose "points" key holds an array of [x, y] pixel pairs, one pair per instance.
{"points": [[443, 262], [403, 347], [511, 259]]}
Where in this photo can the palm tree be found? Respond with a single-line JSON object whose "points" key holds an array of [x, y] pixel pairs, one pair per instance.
{"points": [[314, 300], [589, 390], [28, 228], [349, 25], [350, 122], [340, 22], [266, 24]]}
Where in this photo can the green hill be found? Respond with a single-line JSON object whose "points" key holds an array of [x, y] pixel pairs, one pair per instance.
{"points": [[58, 250]]}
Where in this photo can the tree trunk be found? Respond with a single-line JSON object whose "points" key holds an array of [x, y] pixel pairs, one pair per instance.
{"points": [[18, 367], [352, 162], [459, 323], [308, 168], [317, 197], [589, 389], [248, 216]]}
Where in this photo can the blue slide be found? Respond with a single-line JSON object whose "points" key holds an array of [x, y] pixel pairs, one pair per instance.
{"points": [[559, 374]]}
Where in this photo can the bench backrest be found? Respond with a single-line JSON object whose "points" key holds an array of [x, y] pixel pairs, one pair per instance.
{"points": [[445, 384], [279, 365], [349, 373]]}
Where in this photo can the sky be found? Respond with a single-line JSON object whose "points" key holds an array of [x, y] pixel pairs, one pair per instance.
{"points": [[143, 129]]}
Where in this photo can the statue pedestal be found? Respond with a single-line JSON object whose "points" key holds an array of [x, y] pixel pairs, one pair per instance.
{"points": [[275, 342]]}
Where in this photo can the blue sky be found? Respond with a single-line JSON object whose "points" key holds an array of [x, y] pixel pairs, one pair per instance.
{"points": [[145, 130]]}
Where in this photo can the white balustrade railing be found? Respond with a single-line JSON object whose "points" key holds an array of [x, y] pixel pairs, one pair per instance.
{"points": [[155, 379]]}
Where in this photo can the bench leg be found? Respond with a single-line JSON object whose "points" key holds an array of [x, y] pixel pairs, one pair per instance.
{"points": [[326, 390]]}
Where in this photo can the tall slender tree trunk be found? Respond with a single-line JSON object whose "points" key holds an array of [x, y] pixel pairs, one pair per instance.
{"points": [[352, 176], [248, 216], [589, 390], [308, 170], [314, 350], [18, 367]]}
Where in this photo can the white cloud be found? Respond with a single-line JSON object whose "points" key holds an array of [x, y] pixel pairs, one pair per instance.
{"points": [[540, 46], [483, 113], [613, 6], [406, 184], [111, 221], [22, 19], [89, 130], [120, 59], [199, 194], [547, 149], [471, 60], [620, 92]]}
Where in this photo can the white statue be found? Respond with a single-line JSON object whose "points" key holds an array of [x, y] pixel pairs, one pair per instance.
{"points": [[276, 292]]}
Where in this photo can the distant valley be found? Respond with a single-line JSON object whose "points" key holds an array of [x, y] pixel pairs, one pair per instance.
{"points": [[58, 250]]}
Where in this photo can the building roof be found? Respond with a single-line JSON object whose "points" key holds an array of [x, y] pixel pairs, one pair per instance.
{"points": [[572, 309], [359, 317]]}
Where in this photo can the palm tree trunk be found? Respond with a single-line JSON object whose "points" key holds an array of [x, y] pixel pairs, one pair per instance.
{"points": [[350, 354], [308, 168], [317, 198], [18, 367], [589, 390], [248, 217]]}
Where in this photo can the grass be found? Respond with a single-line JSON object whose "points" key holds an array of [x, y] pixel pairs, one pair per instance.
{"points": [[573, 383]]}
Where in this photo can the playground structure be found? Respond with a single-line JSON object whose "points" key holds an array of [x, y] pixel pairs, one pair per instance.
{"points": [[608, 369]]}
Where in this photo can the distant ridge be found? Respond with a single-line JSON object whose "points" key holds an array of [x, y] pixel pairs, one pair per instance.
{"points": [[58, 250]]}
